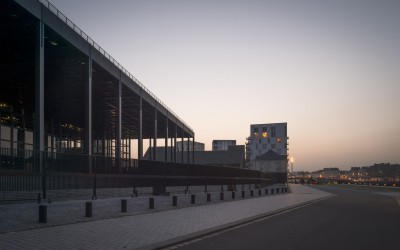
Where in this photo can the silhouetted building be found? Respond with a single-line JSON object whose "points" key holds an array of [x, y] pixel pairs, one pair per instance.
{"points": [[331, 173], [198, 146], [218, 145], [233, 157]]}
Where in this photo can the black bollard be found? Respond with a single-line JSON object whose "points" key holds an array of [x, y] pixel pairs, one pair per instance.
{"points": [[233, 195], [39, 199], [272, 191], [42, 213], [124, 206], [174, 200], [221, 196], [208, 197], [285, 189], [277, 190], [243, 193], [88, 209], [151, 203], [259, 192], [266, 191], [252, 192], [282, 190], [193, 199]]}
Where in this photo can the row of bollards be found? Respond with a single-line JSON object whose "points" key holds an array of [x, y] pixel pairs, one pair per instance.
{"points": [[124, 202]]}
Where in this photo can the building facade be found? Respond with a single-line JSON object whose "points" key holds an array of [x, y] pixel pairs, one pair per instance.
{"points": [[266, 137], [234, 156], [218, 145], [198, 146], [270, 162]]}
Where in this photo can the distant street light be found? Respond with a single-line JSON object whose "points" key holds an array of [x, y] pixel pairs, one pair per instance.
{"points": [[291, 163]]}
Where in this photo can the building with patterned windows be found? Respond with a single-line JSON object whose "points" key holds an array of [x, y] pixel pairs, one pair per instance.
{"points": [[266, 137]]}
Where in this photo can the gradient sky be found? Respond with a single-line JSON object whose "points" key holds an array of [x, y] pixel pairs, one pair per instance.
{"points": [[330, 69]]}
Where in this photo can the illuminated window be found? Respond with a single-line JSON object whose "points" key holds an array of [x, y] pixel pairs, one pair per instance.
{"points": [[278, 140], [255, 131], [264, 134]]}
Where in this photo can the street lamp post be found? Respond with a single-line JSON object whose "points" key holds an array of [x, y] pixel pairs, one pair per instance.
{"points": [[291, 164]]}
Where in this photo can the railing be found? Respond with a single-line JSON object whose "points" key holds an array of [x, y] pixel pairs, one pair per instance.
{"points": [[63, 18], [25, 173]]}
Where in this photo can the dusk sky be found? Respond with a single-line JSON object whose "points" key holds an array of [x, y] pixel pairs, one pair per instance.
{"points": [[330, 69]]}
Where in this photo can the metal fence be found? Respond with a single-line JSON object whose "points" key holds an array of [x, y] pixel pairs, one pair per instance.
{"points": [[64, 175]]}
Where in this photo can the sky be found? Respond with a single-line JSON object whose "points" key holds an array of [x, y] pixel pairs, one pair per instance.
{"points": [[330, 69]]}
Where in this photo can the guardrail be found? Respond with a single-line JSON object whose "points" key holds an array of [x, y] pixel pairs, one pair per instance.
{"points": [[63, 18]]}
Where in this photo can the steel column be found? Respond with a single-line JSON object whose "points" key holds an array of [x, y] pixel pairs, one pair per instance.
{"points": [[87, 143], [175, 135], [188, 151], [193, 150], [155, 134], [39, 98], [182, 146], [140, 142], [166, 140], [119, 124], [172, 151]]}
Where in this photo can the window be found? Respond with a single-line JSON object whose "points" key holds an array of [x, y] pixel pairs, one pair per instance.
{"points": [[259, 140], [256, 146], [255, 132], [278, 140], [264, 134], [273, 132], [264, 146], [273, 145], [264, 129]]}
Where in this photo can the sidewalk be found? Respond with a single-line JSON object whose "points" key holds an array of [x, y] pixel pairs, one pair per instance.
{"points": [[149, 230]]}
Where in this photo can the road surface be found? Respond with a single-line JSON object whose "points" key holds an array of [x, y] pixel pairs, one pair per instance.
{"points": [[350, 220]]}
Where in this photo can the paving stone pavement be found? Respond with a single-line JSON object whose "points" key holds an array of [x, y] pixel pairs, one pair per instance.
{"points": [[146, 230]]}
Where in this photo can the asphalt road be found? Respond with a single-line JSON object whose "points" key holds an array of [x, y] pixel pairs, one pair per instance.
{"points": [[350, 220]]}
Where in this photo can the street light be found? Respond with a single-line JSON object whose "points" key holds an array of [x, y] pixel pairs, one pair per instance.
{"points": [[291, 163]]}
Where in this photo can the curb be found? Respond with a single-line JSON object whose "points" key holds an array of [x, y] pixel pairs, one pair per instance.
{"points": [[207, 232]]}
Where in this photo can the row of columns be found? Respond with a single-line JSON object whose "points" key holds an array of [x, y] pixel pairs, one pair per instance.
{"points": [[39, 133]]}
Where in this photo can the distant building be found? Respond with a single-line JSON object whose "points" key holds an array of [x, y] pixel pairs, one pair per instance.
{"points": [[218, 145], [198, 146], [331, 173], [270, 162], [266, 137], [233, 157]]}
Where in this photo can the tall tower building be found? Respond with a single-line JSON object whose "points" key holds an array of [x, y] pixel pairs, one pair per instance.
{"points": [[266, 137]]}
